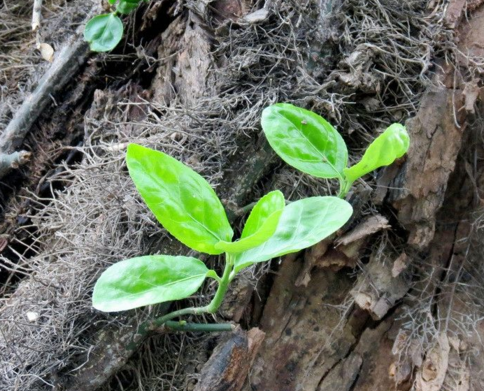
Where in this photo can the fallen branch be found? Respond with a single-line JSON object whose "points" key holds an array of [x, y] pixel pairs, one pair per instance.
{"points": [[36, 15], [67, 64]]}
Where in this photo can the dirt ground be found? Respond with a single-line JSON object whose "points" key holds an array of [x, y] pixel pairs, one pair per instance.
{"points": [[394, 301]]}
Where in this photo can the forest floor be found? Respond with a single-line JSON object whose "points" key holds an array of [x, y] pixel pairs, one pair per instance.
{"points": [[394, 302]]}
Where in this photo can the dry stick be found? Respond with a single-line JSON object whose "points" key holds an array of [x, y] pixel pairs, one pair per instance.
{"points": [[36, 15], [113, 349], [66, 65]]}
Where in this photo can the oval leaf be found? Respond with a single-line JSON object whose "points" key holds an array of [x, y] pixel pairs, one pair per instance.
{"points": [[147, 280], [392, 144], [181, 200], [302, 224], [305, 140], [103, 32], [260, 225]]}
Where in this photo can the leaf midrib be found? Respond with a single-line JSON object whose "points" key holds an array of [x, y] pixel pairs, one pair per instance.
{"points": [[165, 285], [338, 174]]}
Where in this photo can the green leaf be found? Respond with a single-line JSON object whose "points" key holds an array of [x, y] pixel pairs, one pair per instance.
{"points": [[305, 140], [302, 224], [260, 225], [126, 6], [147, 280], [112, 1], [182, 201], [103, 32], [392, 144]]}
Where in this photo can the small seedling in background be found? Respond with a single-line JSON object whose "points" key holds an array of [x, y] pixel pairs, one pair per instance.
{"points": [[188, 208], [103, 32], [309, 143]]}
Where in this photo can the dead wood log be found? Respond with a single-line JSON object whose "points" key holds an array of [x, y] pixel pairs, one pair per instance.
{"points": [[293, 313], [296, 353]]}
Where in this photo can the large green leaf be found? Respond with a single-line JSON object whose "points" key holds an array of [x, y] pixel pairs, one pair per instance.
{"points": [[103, 32], [305, 140], [260, 225], [147, 280], [302, 224], [182, 201], [392, 144]]}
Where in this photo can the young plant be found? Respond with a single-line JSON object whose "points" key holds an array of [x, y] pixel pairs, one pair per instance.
{"points": [[185, 204], [309, 143], [103, 32]]}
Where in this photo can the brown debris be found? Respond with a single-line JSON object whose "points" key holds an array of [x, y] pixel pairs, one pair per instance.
{"points": [[436, 133], [400, 264], [471, 94], [431, 375], [311, 258], [346, 251], [367, 227], [67, 64], [436, 139], [376, 290], [355, 71]]}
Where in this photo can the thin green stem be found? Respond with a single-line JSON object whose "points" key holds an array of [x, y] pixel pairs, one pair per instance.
{"points": [[175, 314], [146, 328], [205, 327], [344, 187], [223, 285]]}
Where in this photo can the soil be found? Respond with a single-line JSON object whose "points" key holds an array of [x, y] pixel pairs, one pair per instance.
{"points": [[393, 301]]}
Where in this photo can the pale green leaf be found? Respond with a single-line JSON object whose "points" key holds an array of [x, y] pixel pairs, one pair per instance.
{"points": [[392, 144], [302, 224], [182, 201], [260, 225], [147, 280], [103, 32], [305, 140]]}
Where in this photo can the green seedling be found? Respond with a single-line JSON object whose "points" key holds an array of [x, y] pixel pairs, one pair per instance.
{"points": [[185, 204], [309, 143], [103, 32]]}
